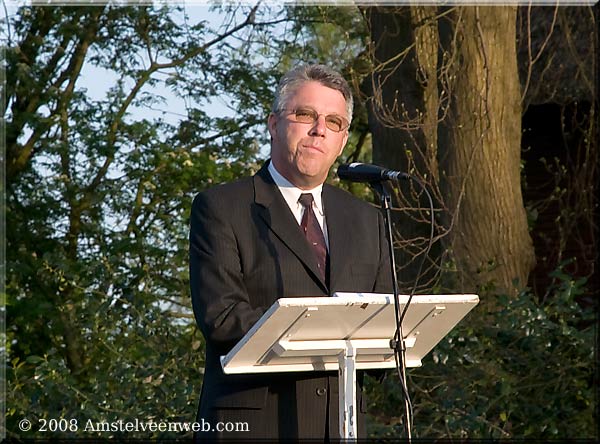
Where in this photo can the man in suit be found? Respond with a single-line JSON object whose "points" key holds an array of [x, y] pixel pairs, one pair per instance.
{"points": [[251, 242]]}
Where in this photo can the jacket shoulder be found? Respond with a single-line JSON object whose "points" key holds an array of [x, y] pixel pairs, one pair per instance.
{"points": [[229, 190], [349, 200]]}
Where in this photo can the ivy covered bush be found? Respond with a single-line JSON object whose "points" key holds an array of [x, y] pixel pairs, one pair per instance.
{"points": [[525, 371]]}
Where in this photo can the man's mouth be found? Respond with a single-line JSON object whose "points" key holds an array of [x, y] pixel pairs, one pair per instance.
{"points": [[314, 148]]}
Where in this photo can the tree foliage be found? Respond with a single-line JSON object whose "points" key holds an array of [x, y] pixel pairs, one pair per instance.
{"points": [[108, 137], [525, 371], [111, 130]]}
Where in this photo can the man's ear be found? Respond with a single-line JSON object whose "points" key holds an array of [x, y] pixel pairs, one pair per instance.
{"points": [[272, 124]]}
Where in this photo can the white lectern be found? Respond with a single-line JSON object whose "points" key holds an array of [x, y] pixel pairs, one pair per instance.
{"points": [[348, 332]]}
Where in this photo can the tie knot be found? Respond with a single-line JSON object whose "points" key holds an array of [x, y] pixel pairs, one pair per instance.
{"points": [[306, 200]]}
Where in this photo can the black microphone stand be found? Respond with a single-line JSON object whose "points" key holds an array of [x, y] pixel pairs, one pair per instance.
{"points": [[397, 343]]}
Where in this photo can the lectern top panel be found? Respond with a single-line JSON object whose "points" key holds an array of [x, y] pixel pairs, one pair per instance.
{"points": [[307, 333]]}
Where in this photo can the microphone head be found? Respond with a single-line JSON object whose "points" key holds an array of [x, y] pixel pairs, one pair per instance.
{"points": [[361, 172]]}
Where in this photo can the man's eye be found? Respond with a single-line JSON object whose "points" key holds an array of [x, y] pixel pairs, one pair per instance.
{"points": [[335, 121], [304, 114]]}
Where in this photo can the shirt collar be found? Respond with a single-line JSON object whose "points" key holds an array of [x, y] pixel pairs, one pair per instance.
{"points": [[291, 193]]}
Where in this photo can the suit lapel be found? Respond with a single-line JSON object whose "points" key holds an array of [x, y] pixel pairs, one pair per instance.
{"points": [[275, 212]]}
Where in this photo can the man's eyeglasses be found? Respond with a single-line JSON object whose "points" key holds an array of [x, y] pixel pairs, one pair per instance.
{"points": [[334, 122]]}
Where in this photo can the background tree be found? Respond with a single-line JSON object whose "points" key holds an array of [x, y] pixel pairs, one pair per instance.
{"points": [[109, 135], [433, 116], [557, 53], [99, 186], [446, 107]]}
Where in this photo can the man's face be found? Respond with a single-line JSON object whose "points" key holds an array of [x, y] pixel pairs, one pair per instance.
{"points": [[304, 152]]}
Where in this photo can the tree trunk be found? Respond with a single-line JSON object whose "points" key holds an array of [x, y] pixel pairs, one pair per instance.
{"points": [[459, 67], [403, 119], [489, 237]]}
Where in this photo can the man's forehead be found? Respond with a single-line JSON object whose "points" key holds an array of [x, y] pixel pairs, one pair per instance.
{"points": [[315, 93]]}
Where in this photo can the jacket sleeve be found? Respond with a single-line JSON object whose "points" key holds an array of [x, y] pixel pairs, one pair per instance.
{"points": [[219, 298]]}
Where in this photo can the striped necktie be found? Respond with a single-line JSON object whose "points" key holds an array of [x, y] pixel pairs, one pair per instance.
{"points": [[314, 235]]}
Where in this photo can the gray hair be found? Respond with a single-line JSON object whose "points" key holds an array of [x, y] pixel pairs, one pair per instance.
{"points": [[326, 76]]}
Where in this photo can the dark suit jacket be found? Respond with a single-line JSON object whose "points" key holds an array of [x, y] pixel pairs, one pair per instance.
{"points": [[246, 251]]}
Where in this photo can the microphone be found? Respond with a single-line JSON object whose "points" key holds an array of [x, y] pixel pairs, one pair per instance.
{"points": [[363, 172]]}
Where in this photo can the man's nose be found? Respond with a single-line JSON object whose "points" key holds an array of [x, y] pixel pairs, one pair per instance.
{"points": [[318, 127]]}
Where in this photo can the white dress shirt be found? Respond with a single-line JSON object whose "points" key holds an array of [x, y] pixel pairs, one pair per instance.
{"points": [[291, 194]]}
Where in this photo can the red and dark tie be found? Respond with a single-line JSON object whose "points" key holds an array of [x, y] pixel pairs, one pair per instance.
{"points": [[314, 234]]}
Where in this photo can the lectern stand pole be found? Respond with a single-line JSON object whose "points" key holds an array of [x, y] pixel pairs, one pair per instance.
{"points": [[347, 392]]}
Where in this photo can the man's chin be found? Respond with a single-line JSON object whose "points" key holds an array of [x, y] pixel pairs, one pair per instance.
{"points": [[310, 178]]}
